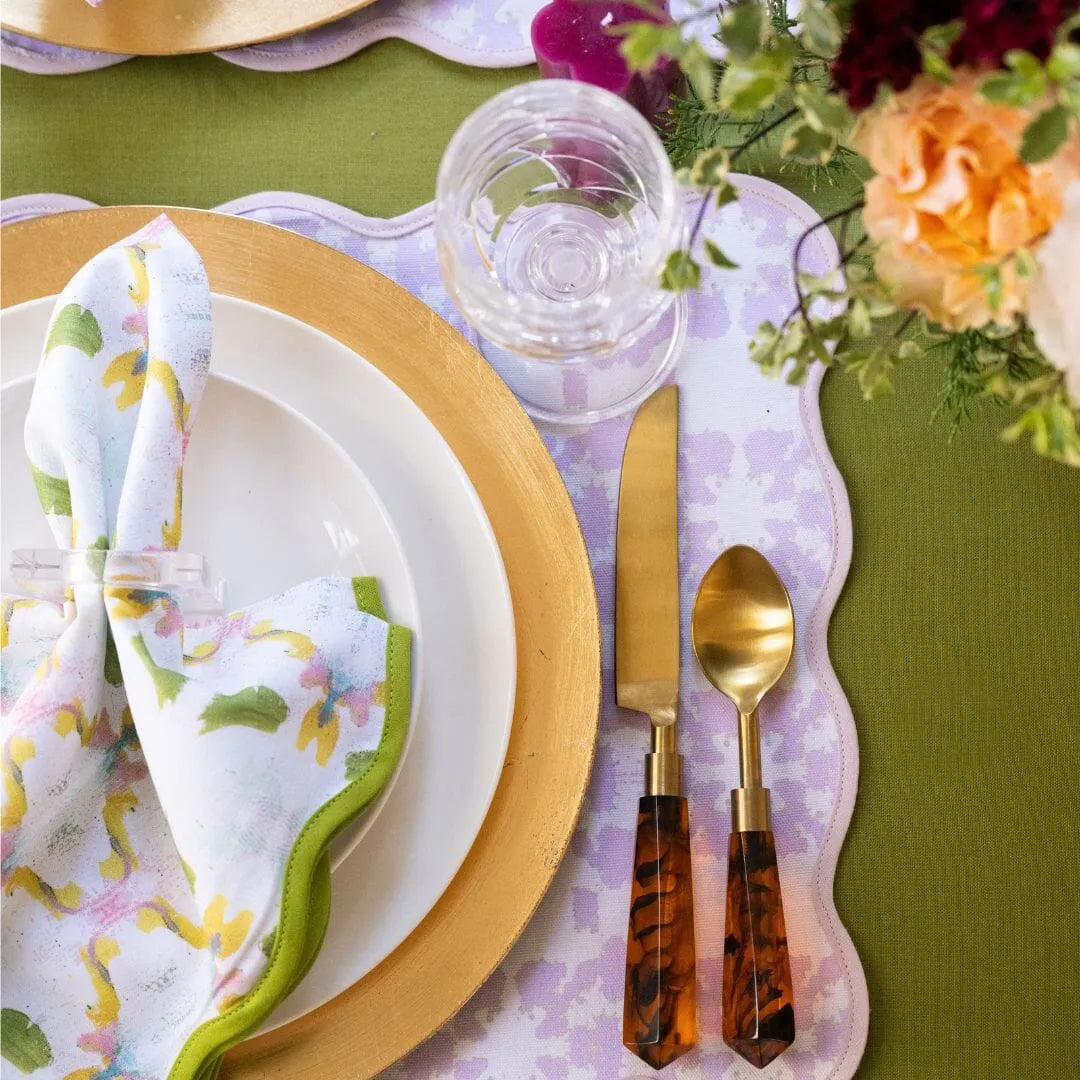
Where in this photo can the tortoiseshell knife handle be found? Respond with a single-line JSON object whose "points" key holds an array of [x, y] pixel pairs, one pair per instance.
{"points": [[758, 1003], [660, 1002]]}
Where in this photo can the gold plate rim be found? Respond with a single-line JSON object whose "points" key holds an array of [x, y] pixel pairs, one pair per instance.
{"points": [[556, 715], [169, 27]]}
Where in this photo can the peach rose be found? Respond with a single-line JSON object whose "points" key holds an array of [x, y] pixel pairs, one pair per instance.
{"points": [[951, 195]]}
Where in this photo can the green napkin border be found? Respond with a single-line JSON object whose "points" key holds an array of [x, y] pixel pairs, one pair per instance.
{"points": [[305, 890]]}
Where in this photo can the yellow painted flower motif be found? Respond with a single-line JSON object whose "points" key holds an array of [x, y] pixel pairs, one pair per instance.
{"points": [[133, 603], [170, 530], [96, 958], [17, 752], [72, 717], [203, 651], [322, 720], [160, 913], [46, 667], [220, 935], [229, 934], [132, 368], [128, 369], [122, 859], [139, 289], [300, 646], [321, 724], [11, 605], [58, 902], [163, 374]]}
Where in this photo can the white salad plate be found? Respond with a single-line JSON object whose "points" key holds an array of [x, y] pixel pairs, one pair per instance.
{"points": [[256, 471], [333, 469]]}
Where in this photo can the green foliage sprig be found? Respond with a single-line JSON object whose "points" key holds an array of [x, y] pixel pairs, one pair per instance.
{"points": [[773, 90], [774, 79]]}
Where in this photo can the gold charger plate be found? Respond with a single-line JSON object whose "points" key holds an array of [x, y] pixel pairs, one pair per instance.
{"points": [[169, 27], [446, 958]]}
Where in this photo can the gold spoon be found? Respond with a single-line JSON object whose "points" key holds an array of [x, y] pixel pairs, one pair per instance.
{"points": [[743, 630]]}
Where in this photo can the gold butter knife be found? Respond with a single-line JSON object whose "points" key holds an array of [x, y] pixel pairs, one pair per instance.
{"points": [[660, 1002]]}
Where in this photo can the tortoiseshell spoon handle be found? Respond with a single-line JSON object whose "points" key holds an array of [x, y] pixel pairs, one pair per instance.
{"points": [[758, 1003]]}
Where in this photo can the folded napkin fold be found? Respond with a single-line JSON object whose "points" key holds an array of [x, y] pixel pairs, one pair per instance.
{"points": [[169, 790]]}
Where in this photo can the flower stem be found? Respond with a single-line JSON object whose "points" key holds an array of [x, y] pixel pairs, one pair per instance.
{"points": [[854, 249], [903, 327], [801, 306], [759, 135], [698, 220], [756, 137]]}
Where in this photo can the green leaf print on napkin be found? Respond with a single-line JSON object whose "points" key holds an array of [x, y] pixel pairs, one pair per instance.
{"points": [[53, 492], [256, 706], [188, 873], [22, 1042], [167, 683], [113, 675], [266, 945], [357, 762], [76, 326]]}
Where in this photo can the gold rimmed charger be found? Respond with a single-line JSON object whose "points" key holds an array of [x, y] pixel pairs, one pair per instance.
{"points": [[169, 27], [446, 958]]}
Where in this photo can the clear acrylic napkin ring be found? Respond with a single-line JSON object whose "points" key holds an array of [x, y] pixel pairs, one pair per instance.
{"points": [[47, 573]]}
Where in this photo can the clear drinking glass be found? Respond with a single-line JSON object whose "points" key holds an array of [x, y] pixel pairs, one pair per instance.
{"points": [[555, 210]]}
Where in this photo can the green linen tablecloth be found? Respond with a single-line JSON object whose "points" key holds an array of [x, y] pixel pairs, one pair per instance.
{"points": [[957, 637]]}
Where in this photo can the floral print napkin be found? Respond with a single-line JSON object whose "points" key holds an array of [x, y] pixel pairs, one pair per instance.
{"points": [[169, 791]]}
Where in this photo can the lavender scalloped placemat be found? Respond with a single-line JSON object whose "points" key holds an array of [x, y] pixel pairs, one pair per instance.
{"points": [[479, 33], [754, 468]]}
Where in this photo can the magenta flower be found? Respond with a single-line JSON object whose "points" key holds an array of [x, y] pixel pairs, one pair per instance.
{"points": [[571, 39]]}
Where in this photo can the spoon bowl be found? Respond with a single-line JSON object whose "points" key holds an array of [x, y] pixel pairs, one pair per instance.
{"points": [[743, 626]]}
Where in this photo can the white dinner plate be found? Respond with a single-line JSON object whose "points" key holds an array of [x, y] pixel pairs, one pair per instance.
{"points": [[269, 499], [400, 867]]}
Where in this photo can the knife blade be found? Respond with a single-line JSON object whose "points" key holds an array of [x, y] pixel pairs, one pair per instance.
{"points": [[647, 563]]}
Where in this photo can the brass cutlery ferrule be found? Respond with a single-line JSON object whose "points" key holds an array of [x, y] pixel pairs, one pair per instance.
{"points": [[663, 764], [750, 809]]}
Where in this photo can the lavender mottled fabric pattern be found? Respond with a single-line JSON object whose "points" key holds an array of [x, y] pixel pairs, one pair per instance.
{"points": [[481, 33], [754, 469]]}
